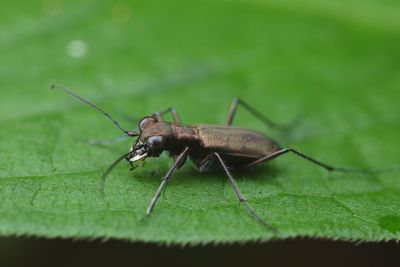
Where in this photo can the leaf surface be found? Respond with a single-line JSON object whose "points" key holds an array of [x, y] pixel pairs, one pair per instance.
{"points": [[336, 67]]}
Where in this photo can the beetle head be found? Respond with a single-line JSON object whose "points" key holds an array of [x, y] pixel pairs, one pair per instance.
{"points": [[151, 142]]}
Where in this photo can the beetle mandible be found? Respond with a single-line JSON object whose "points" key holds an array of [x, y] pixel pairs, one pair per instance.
{"points": [[206, 145]]}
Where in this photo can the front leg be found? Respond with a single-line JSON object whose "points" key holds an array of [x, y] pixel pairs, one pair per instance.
{"points": [[181, 158]]}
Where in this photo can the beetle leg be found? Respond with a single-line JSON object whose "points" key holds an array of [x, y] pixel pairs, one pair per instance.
{"points": [[234, 106], [266, 158], [172, 110], [178, 161], [297, 153], [241, 198]]}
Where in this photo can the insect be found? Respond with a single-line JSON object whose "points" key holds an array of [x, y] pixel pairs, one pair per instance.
{"points": [[225, 146]]}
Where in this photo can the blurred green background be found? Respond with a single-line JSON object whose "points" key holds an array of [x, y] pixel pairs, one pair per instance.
{"points": [[334, 63]]}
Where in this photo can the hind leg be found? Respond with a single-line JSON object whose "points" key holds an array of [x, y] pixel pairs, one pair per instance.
{"points": [[308, 158]]}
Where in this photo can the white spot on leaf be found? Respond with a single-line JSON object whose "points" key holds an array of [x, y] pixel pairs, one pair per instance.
{"points": [[77, 48]]}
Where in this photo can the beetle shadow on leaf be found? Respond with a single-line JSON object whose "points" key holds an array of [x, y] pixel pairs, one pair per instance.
{"points": [[264, 172]]}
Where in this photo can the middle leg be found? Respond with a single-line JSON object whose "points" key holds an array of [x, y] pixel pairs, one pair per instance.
{"points": [[234, 106]]}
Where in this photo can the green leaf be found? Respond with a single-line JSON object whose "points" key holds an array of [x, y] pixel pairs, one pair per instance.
{"points": [[335, 63]]}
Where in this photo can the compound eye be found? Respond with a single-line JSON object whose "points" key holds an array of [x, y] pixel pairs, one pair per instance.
{"points": [[146, 122], [155, 142]]}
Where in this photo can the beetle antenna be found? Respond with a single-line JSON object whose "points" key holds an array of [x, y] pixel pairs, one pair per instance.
{"points": [[108, 171], [70, 92]]}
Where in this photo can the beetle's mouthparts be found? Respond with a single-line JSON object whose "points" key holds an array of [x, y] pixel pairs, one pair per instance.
{"points": [[139, 155]]}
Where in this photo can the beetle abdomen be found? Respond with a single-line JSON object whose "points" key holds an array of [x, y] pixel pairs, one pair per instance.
{"points": [[236, 141]]}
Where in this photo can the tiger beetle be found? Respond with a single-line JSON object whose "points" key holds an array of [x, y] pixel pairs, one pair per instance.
{"points": [[226, 146]]}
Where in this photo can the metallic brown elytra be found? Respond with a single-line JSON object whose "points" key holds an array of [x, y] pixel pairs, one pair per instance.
{"points": [[206, 145]]}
